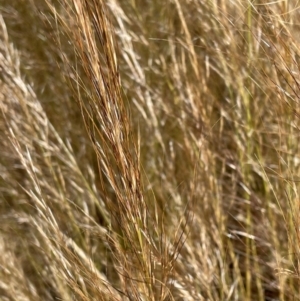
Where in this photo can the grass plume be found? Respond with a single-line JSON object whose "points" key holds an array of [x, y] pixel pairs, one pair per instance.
{"points": [[149, 150]]}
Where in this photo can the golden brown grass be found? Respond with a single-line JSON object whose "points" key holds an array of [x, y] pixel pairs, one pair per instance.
{"points": [[149, 150]]}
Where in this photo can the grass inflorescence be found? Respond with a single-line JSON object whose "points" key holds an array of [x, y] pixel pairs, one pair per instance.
{"points": [[149, 150]]}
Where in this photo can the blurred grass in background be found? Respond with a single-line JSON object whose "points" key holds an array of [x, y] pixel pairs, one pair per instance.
{"points": [[149, 150]]}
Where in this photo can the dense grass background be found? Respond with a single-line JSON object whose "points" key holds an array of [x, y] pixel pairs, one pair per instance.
{"points": [[149, 150]]}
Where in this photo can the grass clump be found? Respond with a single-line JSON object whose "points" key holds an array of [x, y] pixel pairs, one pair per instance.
{"points": [[149, 150]]}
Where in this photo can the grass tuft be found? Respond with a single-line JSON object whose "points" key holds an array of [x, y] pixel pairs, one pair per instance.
{"points": [[149, 150]]}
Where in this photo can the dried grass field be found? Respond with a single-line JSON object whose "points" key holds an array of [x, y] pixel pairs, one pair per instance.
{"points": [[149, 150]]}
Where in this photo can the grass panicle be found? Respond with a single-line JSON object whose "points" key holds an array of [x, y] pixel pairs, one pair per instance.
{"points": [[149, 150]]}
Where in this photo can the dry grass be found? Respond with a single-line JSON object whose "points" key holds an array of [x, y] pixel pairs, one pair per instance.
{"points": [[149, 150]]}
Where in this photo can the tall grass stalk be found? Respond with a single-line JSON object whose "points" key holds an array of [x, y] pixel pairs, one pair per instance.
{"points": [[149, 150]]}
